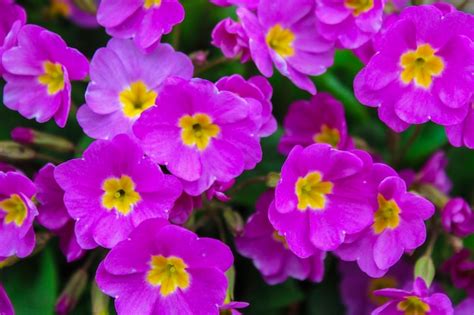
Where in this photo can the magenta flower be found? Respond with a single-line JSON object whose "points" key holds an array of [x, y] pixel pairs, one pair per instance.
{"points": [[112, 189], [270, 252], [38, 74], [397, 225], [322, 196], [417, 301], [143, 20], [53, 213], [201, 134], [285, 33], [17, 213], [231, 38], [12, 18], [6, 307], [457, 217], [124, 83], [357, 289], [461, 269], [462, 134], [258, 92], [319, 120], [350, 23], [165, 269], [424, 58], [465, 307]]}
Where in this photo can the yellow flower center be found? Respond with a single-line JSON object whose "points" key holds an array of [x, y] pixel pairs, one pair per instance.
{"points": [[15, 209], [311, 191], [120, 194], [281, 40], [136, 99], [421, 65], [387, 216], [198, 130], [279, 239], [359, 6], [169, 273], [53, 77], [378, 284], [412, 305], [328, 135], [151, 3]]}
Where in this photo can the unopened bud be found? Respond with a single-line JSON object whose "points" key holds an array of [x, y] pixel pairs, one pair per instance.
{"points": [[100, 301], [272, 179], [199, 58], [71, 294], [41, 139], [234, 221], [12, 151]]}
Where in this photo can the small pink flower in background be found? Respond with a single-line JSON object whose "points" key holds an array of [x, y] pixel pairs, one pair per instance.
{"points": [[460, 268], [458, 218], [231, 38]]}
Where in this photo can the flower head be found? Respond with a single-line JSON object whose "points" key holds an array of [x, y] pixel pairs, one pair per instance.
{"points": [[231, 38], [458, 218], [163, 268]]}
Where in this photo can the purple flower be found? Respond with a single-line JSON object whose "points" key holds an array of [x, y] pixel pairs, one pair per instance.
{"points": [[457, 217], [17, 213], [424, 58], [201, 134], [12, 18], [53, 213], [417, 301], [349, 22], [84, 16], [397, 225], [257, 91], [319, 120], [461, 269], [270, 252], [465, 307], [285, 33], [357, 289], [112, 189], [322, 196], [124, 83], [250, 4], [165, 269], [143, 20], [231, 38], [231, 308], [6, 307], [462, 134], [38, 74]]}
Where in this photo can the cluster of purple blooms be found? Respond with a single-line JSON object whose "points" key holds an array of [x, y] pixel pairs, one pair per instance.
{"points": [[165, 142]]}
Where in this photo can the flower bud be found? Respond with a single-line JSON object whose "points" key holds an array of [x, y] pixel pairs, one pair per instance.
{"points": [[72, 292], [11, 151], [41, 139], [100, 301], [457, 217]]}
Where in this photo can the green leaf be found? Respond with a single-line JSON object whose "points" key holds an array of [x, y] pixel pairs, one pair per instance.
{"points": [[425, 269]]}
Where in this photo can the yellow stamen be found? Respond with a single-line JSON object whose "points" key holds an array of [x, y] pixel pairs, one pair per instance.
{"points": [[169, 273], [387, 216], [281, 40], [198, 130], [53, 77], [151, 3], [136, 99], [311, 191], [412, 305], [378, 284], [421, 65], [16, 210], [359, 6], [120, 194], [328, 135]]}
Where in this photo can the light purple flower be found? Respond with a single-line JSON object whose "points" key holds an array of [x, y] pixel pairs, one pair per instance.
{"points": [[397, 225], [462, 134], [319, 120], [201, 134], [231, 38], [417, 301], [165, 269], [322, 196], [269, 250], [6, 307], [460, 267], [284, 33], [38, 74], [458, 218], [257, 91], [350, 23], [143, 20], [124, 83], [17, 213], [112, 189], [12, 18], [422, 69], [465, 307]]}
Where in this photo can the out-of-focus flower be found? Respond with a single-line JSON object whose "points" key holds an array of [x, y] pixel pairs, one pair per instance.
{"points": [[270, 252], [418, 301], [81, 12], [166, 269], [6, 307], [231, 38], [12, 18], [201, 134], [285, 34], [17, 212], [425, 57], [458, 218], [143, 20], [112, 189], [321, 197], [461, 269], [124, 83], [38, 74], [320, 120], [465, 307], [30, 136], [349, 22]]}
